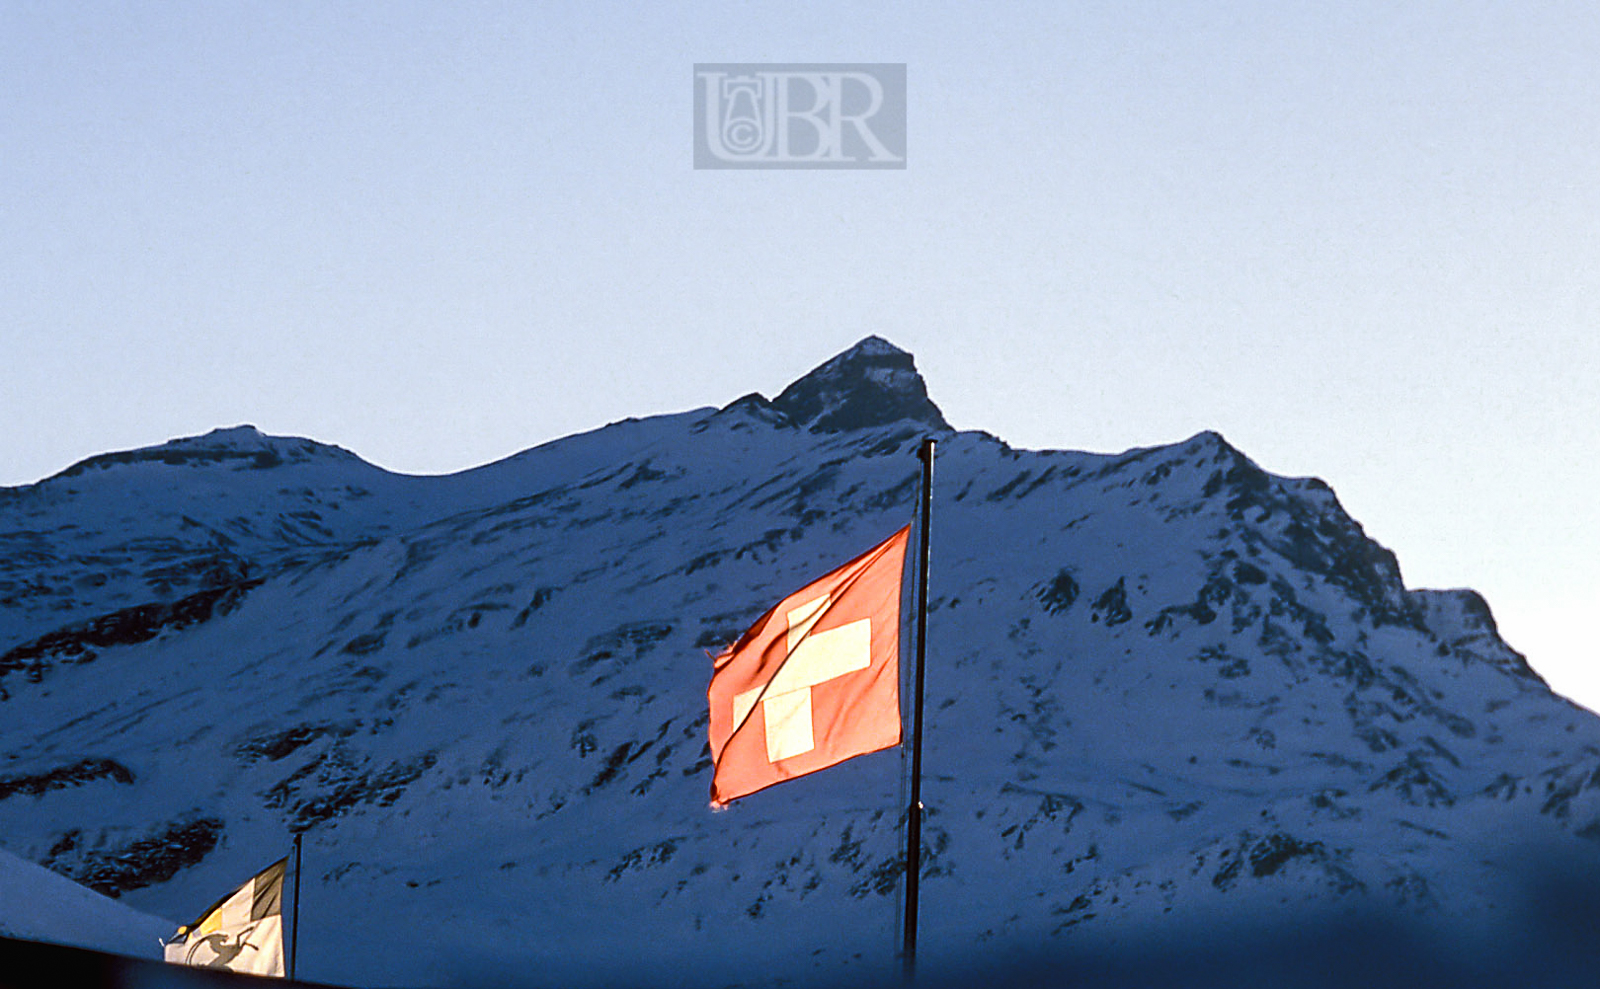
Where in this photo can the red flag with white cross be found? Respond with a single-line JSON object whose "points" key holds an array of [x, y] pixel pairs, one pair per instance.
{"points": [[815, 681]]}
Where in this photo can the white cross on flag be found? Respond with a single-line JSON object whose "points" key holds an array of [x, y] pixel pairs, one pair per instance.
{"points": [[815, 681]]}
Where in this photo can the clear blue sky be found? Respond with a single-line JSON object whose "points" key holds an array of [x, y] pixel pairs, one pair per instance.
{"points": [[1361, 239]]}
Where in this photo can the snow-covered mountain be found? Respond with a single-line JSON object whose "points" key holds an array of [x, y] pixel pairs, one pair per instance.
{"points": [[1169, 694]]}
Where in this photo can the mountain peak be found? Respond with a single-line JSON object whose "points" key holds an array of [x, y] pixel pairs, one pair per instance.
{"points": [[237, 447], [242, 433], [873, 383]]}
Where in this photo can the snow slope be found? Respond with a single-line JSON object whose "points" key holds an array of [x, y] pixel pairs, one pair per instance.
{"points": [[39, 905], [1168, 694]]}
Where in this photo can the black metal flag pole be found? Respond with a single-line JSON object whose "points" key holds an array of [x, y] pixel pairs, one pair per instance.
{"points": [[914, 806], [294, 922]]}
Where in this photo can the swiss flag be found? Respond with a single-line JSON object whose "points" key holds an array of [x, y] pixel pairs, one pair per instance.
{"points": [[815, 681]]}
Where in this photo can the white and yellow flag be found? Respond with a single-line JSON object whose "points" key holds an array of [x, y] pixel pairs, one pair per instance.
{"points": [[242, 932]]}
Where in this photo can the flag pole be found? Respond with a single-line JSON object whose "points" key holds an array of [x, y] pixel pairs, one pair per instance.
{"points": [[294, 923], [914, 807]]}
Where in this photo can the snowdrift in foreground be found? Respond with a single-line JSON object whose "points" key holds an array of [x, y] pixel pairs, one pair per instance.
{"points": [[38, 905]]}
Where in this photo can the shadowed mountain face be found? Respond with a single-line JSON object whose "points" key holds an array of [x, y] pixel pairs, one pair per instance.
{"points": [[1173, 700]]}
